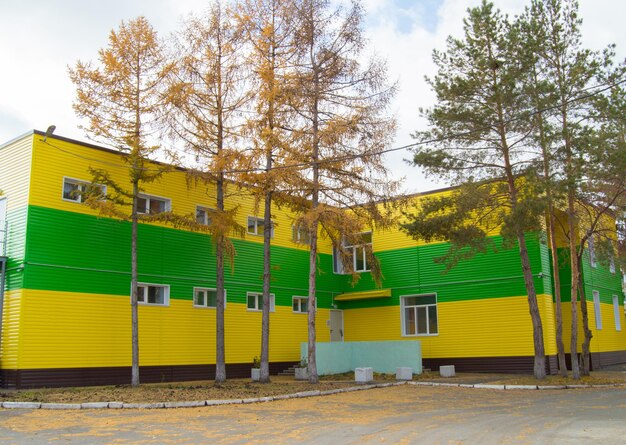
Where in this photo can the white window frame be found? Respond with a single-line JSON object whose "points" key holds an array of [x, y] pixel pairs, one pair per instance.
{"points": [[82, 184], [299, 300], [206, 290], [592, 252], [597, 308], [403, 306], [148, 198], [256, 221], [259, 302], [612, 262], [140, 294], [207, 219], [300, 234], [352, 251], [616, 313]]}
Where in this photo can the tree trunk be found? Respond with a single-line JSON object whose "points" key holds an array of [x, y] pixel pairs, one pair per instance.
{"points": [[539, 368], [134, 381], [557, 293], [267, 277], [575, 281], [586, 346], [220, 356], [312, 305]]}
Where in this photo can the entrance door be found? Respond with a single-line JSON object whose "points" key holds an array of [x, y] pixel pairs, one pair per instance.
{"points": [[336, 325]]}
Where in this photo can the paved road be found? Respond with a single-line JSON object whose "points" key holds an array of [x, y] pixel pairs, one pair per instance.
{"points": [[398, 415]]}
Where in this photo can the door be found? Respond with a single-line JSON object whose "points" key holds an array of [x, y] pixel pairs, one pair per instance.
{"points": [[336, 325]]}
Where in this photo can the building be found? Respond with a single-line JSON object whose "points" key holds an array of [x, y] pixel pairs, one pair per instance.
{"points": [[66, 305]]}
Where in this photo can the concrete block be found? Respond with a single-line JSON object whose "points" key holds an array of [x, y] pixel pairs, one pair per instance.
{"points": [[308, 393], [447, 371], [302, 373], [94, 405], [364, 375], [255, 373], [551, 387], [520, 386], [60, 406], [404, 373], [223, 402], [116, 405], [483, 386], [191, 404], [24, 405], [143, 405]]}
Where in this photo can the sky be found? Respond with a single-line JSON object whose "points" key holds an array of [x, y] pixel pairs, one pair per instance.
{"points": [[39, 39]]}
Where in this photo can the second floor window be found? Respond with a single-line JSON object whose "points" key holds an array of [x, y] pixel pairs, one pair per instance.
{"points": [[75, 190], [151, 205], [356, 251], [256, 226], [203, 215]]}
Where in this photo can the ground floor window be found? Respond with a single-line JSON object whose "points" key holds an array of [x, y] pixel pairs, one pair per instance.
{"points": [[616, 313], [597, 309], [255, 301], [157, 294], [206, 297], [300, 304], [419, 314]]}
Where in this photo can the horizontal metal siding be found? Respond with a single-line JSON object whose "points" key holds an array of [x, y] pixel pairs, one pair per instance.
{"points": [[467, 328], [15, 166], [72, 330], [57, 159], [81, 253], [11, 328]]}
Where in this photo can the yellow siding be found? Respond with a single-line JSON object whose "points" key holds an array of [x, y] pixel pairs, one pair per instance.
{"points": [[65, 330], [9, 350], [475, 328], [56, 159], [605, 340], [15, 161]]}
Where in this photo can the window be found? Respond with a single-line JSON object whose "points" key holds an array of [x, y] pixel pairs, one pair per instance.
{"points": [[592, 252], [151, 205], [203, 215], [300, 234], [256, 226], [255, 302], [419, 315], [356, 254], [596, 309], [300, 304], [75, 189], [616, 313], [611, 260], [157, 294], [206, 297]]}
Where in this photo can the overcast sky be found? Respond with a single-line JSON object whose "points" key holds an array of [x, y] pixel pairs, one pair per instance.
{"points": [[40, 38]]}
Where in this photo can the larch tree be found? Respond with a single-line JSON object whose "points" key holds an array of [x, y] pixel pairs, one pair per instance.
{"points": [[340, 104], [478, 136], [121, 100], [268, 28], [206, 96]]}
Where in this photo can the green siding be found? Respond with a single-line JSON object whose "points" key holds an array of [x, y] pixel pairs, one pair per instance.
{"points": [[81, 253], [16, 239], [493, 274]]}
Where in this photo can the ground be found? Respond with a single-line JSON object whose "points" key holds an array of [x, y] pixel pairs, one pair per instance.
{"points": [[399, 415], [244, 388]]}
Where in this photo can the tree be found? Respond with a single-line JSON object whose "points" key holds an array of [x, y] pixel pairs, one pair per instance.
{"points": [[583, 168], [207, 94], [340, 104], [121, 100], [479, 136], [268, 28]]}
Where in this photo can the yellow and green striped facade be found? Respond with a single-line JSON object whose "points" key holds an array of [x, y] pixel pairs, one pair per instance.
{"points": [[66, 304]]}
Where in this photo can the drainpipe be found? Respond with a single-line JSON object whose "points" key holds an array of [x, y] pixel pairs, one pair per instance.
{"points": [[3, 270]]}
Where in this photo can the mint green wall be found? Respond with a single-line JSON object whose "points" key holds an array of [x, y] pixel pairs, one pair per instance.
{"points": [[383, 356]]}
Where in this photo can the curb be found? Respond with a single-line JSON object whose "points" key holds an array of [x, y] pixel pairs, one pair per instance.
{"points": [[298, 395]]}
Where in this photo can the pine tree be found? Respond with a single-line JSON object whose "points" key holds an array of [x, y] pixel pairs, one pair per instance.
{"points": [[479, 137]]}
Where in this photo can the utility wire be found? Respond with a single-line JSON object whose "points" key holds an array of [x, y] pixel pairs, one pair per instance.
{"points": [[600, 89]]}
